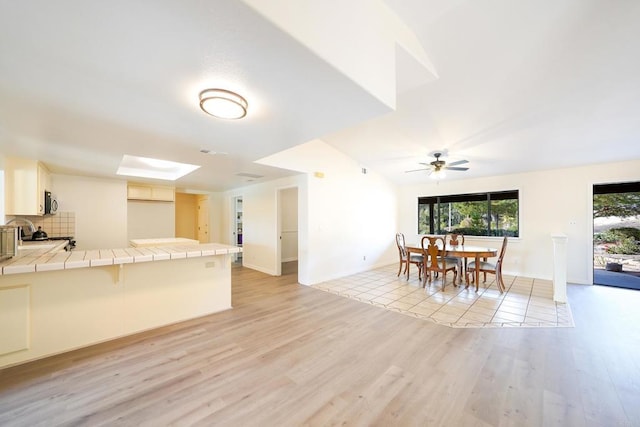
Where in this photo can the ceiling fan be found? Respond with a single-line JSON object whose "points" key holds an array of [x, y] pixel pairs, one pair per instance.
{"points": [[437, 167]]}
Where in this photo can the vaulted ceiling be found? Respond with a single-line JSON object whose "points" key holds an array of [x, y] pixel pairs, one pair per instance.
{"points": [[509, 86]]}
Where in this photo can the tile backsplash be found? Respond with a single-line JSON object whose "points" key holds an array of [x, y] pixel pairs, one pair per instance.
{"points": [[61, 224]]}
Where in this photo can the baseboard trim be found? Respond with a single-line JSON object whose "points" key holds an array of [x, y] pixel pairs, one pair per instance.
{"points": [[260, 269]]}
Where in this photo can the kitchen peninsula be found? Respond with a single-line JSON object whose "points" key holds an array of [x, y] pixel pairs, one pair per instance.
{"points": [[52, 301]]}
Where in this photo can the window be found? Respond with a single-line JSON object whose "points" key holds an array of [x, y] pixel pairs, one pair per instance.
{"points": [[479, 214]]}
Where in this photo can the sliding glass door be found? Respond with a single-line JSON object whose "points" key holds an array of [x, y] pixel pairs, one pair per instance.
{"points": [[616, 235]]}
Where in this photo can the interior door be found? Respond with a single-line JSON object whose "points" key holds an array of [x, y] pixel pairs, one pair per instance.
{"points": [[203, 219]]}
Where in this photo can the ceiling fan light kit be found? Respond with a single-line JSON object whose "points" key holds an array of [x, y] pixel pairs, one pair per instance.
{"points": [[223, 104], [438, 175]]}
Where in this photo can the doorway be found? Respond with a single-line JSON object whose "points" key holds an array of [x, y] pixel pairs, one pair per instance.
{"points": [[192, 216], [237, 230], [287, 251], [616, 235]]}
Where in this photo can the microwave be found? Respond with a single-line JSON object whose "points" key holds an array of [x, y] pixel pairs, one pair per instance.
{"points": [[50, 204]]}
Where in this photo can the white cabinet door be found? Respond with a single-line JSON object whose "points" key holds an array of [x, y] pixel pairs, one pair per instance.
{"points": [[165, 194], [14, 319], [150, 192], [138, 192], [25, 182]]}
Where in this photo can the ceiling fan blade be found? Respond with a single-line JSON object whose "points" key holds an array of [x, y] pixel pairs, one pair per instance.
{"points": [[458, 162], [426, 164], [456, 169], [417, 170]]}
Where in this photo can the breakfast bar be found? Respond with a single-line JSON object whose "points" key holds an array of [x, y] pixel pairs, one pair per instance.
{"points": [[52, 301]]}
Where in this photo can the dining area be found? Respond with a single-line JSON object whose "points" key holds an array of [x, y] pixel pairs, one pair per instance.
{"points": [[426, 284], [525, 302], [436, 255]]}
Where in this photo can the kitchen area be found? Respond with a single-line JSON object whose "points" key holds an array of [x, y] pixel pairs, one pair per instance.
{"points": [[45, 232], [32, 209], [72, 274]]}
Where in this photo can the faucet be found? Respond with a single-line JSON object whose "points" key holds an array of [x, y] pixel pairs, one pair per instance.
{"points": [[24, 220]]}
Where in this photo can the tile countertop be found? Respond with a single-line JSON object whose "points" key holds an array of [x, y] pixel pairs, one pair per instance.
{"points": [[54, 258], [169, 241]]}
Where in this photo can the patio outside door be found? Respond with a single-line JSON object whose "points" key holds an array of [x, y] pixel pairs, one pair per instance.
{"points": [[616, 235]]}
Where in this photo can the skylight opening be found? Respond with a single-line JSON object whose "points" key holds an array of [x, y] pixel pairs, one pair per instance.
{"points": [[146, 167]]}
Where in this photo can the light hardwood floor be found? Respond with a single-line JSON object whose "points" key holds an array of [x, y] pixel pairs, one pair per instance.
{"points": [[292, 355]]}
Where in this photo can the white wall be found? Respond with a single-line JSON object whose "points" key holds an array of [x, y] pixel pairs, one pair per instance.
{"points": [[363, 49], [150, 220], [100, 206], [352, 221], [347, 219], [552, 201], [216, 217]]}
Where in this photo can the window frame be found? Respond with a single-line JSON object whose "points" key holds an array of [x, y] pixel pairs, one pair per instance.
{"points": [[433, 202]]}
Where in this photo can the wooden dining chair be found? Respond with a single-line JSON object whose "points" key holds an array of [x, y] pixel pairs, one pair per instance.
{"points": [[406, 258], [456, 239], [435, 261], [488, 267]]}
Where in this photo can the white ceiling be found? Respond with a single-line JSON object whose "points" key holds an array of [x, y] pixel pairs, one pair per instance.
{"points": [[521, 86]]}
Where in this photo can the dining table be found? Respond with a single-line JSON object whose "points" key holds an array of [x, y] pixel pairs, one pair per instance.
{"points": [[461, 251]]}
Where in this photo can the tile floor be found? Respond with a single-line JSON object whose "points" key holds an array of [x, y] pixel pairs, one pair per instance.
{"points": [[526, 303]]}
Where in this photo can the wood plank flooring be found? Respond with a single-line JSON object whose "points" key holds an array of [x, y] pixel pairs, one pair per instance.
{"points": [[290, 355]]}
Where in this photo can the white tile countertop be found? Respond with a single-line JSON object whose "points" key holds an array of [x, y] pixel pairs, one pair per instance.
{"points": [[168, 241], [47, 258]]}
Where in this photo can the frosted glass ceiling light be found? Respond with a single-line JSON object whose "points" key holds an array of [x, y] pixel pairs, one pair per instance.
{"points": [[223, 104], [438, 174]]}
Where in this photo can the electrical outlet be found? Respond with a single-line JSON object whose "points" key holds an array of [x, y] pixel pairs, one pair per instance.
{"points": [[364, 258]]}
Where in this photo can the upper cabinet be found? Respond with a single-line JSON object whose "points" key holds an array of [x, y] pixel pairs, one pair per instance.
{"points": [[156, 193], [25, 183]]}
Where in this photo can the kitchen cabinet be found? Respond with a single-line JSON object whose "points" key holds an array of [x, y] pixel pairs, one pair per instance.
{"points": [[25, 183], [14, 319], [63, 301], [150, 192]]}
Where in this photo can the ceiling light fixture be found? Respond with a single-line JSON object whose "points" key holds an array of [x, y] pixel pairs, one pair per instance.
{"points": [[223, 104], [438, 174]]}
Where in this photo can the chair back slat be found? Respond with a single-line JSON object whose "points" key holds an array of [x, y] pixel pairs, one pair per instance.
{"points": [[400, 242], [503, 250], [455, 239], [433, 252]]}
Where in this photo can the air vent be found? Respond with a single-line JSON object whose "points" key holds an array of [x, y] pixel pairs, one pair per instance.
{"points": [[249, 175], [213, 153]]}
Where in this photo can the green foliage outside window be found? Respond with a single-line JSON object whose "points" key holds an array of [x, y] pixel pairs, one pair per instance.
{"points": [[483, 214], [622, 240], [616, 204]]}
